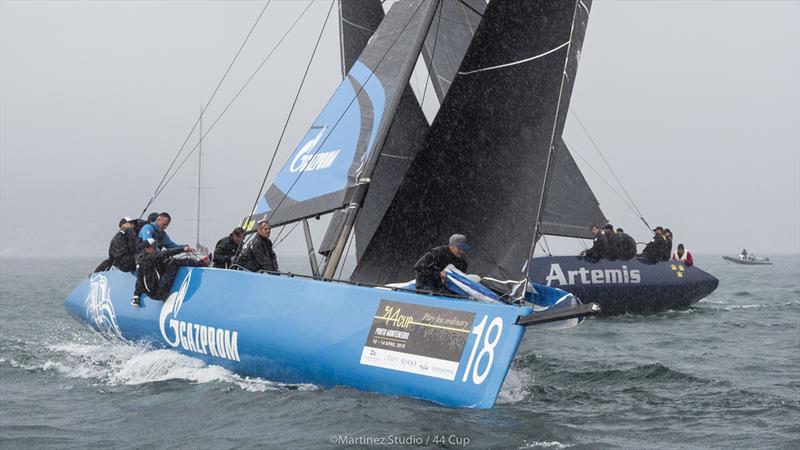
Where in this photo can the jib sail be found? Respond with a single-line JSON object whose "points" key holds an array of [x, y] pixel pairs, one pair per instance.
{"points": [[339, 150], [359, 20]]}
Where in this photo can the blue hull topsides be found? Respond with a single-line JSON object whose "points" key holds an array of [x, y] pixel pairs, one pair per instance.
{"points": [[454, 352], [620, 287]]}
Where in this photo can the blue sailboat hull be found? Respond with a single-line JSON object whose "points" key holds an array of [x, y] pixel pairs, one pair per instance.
{"points": [[450, 351], [620, 287]]}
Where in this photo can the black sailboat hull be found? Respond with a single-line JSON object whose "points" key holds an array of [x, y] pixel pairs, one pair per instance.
{"points": [[632, 286]]}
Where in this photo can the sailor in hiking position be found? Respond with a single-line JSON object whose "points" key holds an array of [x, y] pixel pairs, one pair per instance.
{"points": [[655, 249], [259, 256], [156, 270], [430, 268], [599, 249], [157, 230], [123, 248], [613, 243], [627, 245]]}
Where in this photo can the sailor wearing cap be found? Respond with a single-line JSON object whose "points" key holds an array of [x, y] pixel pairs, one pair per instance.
{"points": [[655, 249], [430, 268]]}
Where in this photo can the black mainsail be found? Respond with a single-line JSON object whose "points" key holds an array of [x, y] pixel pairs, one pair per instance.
{"points": [[481, 169], [447, 41], [572, 206]]}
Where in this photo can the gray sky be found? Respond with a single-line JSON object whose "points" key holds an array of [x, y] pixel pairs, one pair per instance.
{"points": [[696, 105]]}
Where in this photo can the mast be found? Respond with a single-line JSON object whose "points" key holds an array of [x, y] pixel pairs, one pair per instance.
{"points": [[199, 177], [564, 94]]}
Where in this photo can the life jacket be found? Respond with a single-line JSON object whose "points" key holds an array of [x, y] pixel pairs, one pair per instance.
{"points": [[685, 256]]}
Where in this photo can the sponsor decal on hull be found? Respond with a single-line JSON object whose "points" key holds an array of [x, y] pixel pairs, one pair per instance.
{"points": [[592, 276], [99, 308], [195, 337], [417, 339]]}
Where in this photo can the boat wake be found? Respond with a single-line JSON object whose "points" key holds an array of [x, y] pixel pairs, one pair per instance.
{"points": [[123, 364], [517, 387]]}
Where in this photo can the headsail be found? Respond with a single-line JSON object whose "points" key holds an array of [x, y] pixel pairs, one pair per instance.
{"points": [[322, 173], [571, 206], [359, 19], [480, 170]]}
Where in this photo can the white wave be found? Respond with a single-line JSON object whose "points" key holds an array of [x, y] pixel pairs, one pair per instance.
{"points": [[545, 444], [123, 364], [516, 387]]}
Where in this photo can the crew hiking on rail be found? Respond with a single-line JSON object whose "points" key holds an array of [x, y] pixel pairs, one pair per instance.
{"points": [[613, 245]]}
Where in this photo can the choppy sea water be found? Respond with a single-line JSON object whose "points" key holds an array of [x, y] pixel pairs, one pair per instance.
{"points": [[724, 374]]}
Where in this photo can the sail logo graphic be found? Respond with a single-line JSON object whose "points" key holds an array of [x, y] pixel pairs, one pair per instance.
{"points": [[194, 337], [594, 276], [99, 307], [307, 160]]}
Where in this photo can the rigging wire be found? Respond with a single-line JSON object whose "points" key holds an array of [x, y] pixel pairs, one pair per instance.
{"points": [[235, 97], [597, 148], [616, 192], [339, 119], [213, 94], [291, 111], [346, 254], [277, 238]]}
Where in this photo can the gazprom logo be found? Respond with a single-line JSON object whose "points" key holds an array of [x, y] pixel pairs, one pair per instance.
{"points": [[195, 337], [307, 160]]}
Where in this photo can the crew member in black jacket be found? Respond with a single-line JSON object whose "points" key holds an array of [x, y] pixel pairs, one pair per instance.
{"points": [[613, 243], [666, 254], [430, 268], [156, 270], [598, 250], [654, 250], [226, 248], [123, 248], [259, 256], [627, 245]]}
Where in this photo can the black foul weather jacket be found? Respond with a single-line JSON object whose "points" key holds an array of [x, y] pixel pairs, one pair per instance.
{"points": [[122, 251], [655, 249], [430, 266], [259, 256], [627, 246], [598, 250], [224, 252], [613, 246], [150, 269]]}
